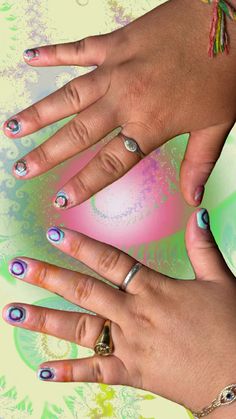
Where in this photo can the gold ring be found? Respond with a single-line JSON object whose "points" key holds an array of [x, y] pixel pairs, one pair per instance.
{"points": [[104, 344]]}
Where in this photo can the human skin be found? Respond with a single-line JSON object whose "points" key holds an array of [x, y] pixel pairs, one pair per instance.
{"points": [[173, 338], [154, 80]]}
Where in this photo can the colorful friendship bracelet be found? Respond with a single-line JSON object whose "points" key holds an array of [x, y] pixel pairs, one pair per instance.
{"points": [[219, 40]]}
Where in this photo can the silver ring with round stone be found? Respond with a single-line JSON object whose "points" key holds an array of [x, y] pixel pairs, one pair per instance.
{"points": [[132, 145]]}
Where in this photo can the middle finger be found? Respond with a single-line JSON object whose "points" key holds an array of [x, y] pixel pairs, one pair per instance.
{"points": [[81, 289], [92, 124]]}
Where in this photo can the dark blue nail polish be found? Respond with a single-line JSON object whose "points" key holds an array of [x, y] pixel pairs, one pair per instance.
{"points": [[18, 268], [16, 314], [20, 168], [55, 235], [13, 125], [46, 373], [61, 200]]}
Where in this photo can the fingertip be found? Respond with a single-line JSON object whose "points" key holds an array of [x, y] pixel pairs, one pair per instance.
{"points": [[55, 235], [31, 55], [20, 169], [202, 219], [198, 194], [61, 200]]}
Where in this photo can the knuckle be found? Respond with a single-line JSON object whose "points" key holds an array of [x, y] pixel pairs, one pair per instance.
{"points": [[56, 53], [76, 247], [80, 185], [42, 277], [78, 134], [43, 157], [36, 115], [72, 96], [97, 371], [42, 322], [110, 164], [84, 289], [142, 320], [81, 45], [108, 260], [69, 375], [81, 330]]}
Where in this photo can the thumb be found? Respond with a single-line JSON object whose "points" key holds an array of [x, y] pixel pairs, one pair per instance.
{"points": [[204, 254], [203, 150]]}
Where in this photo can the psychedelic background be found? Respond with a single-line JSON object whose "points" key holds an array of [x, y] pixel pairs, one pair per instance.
{"points": [[143, 214]]}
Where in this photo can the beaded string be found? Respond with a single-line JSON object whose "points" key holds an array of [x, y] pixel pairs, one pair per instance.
{"points": [[219, 40]]}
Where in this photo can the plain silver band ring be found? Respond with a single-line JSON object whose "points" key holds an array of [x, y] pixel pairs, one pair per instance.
{"points": [[130, 275], [132, 145]]}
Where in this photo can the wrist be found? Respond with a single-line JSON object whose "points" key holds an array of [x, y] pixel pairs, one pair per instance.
{"points": [[223, 412]]}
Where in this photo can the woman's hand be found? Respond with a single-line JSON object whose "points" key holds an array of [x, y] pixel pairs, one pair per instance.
{"points": [[153, 79], [174, 338]]}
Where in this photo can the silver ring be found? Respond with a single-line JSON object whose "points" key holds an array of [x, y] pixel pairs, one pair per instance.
{"points": [[130, 275], [132, 145]]}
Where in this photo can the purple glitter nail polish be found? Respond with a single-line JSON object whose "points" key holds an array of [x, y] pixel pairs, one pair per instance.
{"points": [[55, 235], [18, 268], [46, 373], [13, 125], [61, 200], [16, 314], [31, 54]]}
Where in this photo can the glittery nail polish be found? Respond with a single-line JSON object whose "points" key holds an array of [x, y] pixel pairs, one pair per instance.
{"points": [[20, 168], [203, 219], [13, 125], [18, 268], [31, 54], [16, 314], [61, 200], [46, 373], [55, 235]]}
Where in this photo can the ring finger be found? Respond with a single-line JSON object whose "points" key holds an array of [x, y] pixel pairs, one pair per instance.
{"points": [[83, 329], [111, 162]]}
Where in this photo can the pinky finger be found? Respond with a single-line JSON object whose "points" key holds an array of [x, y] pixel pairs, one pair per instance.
{"points": [[96, 369]]}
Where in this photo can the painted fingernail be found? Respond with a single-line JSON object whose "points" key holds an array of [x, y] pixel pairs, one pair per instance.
{"points": [[55, 235], [31, 54], [203, 219], [20, 168], [199, 193], [18, 268], [13, 125], [46, 373], [16, 314], [61, 200]]}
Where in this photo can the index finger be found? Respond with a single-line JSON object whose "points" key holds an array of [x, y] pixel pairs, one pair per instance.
{"points": [[91, 50]]}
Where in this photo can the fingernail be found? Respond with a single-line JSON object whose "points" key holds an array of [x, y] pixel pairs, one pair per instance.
{"points": [[31, 54], [55, 235], [199, 193], [18, 268], [203, 219], [46, 373], [61, 200], [20, 168], [13, 125], [16, 314]]}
